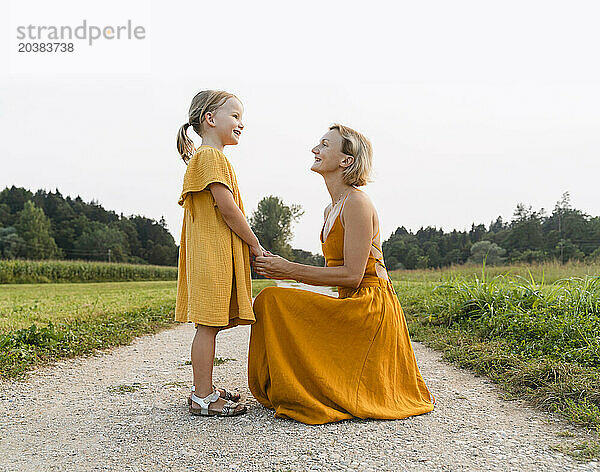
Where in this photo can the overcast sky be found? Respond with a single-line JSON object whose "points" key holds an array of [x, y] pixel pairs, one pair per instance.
{"points": [[471, 106]]}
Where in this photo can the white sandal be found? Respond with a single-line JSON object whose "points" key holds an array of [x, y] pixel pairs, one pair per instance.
{"points": [[229, 409], [225, 395]]}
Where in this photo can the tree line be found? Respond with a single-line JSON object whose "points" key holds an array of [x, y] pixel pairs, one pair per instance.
{"points": [[531, 236], [46, 225]]}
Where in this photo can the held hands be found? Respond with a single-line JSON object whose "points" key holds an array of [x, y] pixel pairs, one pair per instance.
{"points": [[268, 264], [272, 266], [256, 251]]}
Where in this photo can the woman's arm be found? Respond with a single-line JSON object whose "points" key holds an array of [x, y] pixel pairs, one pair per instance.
{"points": [[234, 217], [358, 232]]}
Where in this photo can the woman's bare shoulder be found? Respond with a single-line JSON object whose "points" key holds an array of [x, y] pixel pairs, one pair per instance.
{"points": [[358, 205], [360, 199]]}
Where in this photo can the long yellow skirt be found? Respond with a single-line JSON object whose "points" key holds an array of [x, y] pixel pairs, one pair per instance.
{"points": [[319, 359]]}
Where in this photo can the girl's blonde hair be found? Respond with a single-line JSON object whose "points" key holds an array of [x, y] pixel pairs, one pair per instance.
{"points": [[207, 101], [358, 146]]}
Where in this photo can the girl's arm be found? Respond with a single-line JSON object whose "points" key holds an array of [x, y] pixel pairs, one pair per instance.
{"points": [[234, 217], [358, 232]]}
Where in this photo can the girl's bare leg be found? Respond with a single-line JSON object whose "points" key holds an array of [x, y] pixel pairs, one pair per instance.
{"points": [[203, 354]]}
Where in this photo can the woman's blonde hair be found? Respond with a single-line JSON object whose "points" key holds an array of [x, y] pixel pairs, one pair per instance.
{"points": [[358, 146], [207, 101]]}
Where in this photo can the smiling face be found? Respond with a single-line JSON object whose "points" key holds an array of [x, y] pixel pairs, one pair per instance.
{"points": [[226, 121], [328, 154]]}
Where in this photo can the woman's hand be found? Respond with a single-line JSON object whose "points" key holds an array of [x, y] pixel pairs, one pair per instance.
{"points": [[273, 267]]}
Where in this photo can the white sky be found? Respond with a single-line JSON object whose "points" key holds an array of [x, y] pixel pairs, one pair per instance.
{"points": [[472, 106]]}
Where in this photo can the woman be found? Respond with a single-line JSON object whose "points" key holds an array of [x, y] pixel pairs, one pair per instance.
{"points": [[319, 359]]}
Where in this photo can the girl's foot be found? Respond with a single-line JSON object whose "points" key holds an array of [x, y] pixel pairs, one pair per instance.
{"points": [[223, 393], [227, 395], [214, 405]]}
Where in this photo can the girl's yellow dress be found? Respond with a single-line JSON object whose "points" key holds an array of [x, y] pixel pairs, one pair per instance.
{"points": [[319, 359], [213, 280]]}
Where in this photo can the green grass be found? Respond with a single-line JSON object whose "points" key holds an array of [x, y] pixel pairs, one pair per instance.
{"points": [[539, 339], [40, 304], [221, 360], [583, 450], [26, 272], [258, 285], [549, 271], [45, 322]]}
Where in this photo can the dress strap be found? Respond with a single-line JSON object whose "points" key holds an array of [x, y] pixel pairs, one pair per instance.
{"points": [[343, 203], [339, 213], [379, 260]]}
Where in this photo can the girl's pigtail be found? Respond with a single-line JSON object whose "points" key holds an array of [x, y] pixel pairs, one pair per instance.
{"points": [[185, 145]]}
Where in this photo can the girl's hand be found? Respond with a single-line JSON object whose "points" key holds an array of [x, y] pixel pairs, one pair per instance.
{"points": [[273, 267], [256, 251]]}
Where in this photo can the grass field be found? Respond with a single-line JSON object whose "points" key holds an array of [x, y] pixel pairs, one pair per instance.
{"points": [[44, 322], [549, 272], [535, 330]]}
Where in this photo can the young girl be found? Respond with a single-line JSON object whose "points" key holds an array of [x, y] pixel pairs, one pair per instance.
{"points": [[213, 282]]}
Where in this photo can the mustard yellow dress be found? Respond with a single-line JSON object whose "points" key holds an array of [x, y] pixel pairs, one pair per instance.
{"points": [[213, 280], [319, 359]]}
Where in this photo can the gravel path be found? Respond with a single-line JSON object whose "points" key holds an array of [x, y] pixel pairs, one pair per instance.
{"points": [[125, 409]]}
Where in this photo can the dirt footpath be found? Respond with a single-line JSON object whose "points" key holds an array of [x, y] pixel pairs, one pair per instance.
{"points": [[126, 410]]}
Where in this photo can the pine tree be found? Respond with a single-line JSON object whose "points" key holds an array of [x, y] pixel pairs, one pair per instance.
{"points": [[33, 226]]}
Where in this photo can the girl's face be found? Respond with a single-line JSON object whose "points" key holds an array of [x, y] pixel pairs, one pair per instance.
{"points": [[226, 121], [328, 154]]}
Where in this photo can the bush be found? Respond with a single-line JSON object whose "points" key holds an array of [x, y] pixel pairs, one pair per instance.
{"points": [[561, 320]]}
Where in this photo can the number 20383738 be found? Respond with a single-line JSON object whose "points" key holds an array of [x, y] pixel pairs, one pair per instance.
{"points": [[46, 47]]}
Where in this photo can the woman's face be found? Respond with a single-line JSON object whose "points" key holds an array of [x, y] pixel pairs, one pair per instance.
{"points": [[227, 121], [328, 154]]}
